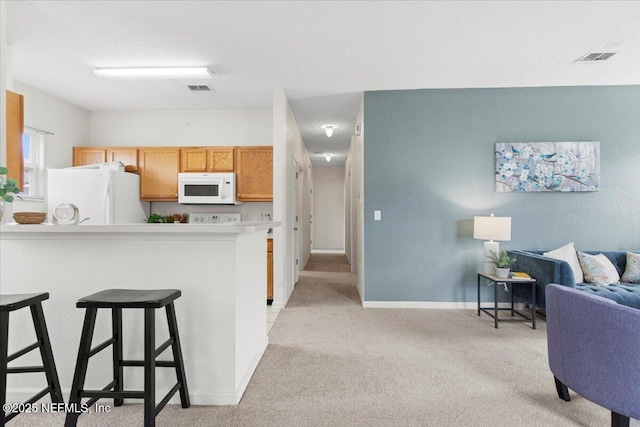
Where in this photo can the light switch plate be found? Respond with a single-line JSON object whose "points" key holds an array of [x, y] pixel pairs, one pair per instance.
{"points": [[377, 215]]}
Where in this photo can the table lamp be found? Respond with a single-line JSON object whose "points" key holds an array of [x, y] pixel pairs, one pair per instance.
{"points": [[491, 228]]}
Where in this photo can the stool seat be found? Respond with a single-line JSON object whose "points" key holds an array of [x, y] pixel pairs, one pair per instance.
{"points": [[129, 298], [18, 301]]}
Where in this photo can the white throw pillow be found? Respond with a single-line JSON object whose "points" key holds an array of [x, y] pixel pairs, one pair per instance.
{"points": [[568, 253], [598, 269], [632, 270]]}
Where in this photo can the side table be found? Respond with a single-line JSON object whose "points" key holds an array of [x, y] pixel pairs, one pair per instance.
{"points": [[515, 281]]}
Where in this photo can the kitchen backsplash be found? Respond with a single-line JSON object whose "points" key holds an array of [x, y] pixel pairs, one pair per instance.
{"points": [[256, 211]]}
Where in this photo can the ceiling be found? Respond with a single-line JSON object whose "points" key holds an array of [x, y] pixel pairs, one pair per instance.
{"points": [[324, 54]]}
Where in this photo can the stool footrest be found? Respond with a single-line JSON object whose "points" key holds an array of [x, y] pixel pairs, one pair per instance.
{"points": [[159, 363], [23, 351], [101, 394], [101, 347], [167, 397], [107, 387], [25, 369], [163, 347]]}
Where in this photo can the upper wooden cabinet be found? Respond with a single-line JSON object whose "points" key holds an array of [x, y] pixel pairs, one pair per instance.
{"points": [[220, 159], [15, 127], [206, 159], [127, 155], [193, 159], [159, 169], [90, 155], [254, 174]]}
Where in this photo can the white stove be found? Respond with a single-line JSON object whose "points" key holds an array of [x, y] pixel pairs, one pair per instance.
{"points": [[218, 218]]}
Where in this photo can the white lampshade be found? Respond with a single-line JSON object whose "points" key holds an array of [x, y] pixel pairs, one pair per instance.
{"points": [[492, 227]]}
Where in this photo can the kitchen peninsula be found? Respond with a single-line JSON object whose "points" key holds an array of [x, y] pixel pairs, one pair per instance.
{"points": [[220, 269]]}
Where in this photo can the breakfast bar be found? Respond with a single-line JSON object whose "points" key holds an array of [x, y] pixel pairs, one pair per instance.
{"points": [[222, 318]]}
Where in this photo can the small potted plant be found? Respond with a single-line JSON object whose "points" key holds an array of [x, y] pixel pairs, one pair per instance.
{"points": [[8, 188], [503, 263]]}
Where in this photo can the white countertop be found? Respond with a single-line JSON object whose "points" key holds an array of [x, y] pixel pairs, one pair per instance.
{"points": [[13, 229]]}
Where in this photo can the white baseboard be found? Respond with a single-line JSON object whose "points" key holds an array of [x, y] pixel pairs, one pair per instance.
{"points": [[277, 305], [328, 251], [434, 304]]}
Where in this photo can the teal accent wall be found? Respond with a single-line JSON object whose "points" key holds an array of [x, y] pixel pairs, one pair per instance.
{"points": [[429, 167]]}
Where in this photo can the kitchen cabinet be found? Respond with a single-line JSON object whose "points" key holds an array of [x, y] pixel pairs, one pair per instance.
{"points": [[269, 270], [193, 159], [90, 155], [159, 169], [206, 159], [15, 127], [220, 159], [127, 155], [254, 173]]}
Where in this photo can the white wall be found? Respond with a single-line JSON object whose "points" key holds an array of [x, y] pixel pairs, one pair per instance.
{"points": [[328, 205], [182, 128], [287, 146], [68, 123]]}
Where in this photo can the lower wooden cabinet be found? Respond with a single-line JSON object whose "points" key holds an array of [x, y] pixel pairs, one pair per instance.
{"points": [[270, 269], [159, 174]]}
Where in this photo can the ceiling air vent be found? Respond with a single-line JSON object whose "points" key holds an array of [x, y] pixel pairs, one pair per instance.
{"points": [[596, 57], [199, 88]]}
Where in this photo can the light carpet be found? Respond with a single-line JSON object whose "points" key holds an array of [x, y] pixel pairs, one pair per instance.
{"points": [[331, 362]]}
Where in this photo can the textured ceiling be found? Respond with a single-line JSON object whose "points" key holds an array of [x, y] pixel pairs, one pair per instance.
{"points": [[323, 54]]}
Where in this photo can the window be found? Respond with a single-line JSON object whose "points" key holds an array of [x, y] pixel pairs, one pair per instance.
{"points": [[33, 158]]}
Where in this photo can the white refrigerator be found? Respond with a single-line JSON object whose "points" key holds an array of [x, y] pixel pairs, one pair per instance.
{"points": [[104, 196]]}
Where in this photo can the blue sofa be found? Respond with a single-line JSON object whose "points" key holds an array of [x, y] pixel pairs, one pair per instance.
{"points": [[548, 270]]}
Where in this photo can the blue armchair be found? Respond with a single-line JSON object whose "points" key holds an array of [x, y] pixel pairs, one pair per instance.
{"points": [[593, 350]]}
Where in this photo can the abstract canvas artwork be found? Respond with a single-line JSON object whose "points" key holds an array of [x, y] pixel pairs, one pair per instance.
{"points": [[547, 166]]}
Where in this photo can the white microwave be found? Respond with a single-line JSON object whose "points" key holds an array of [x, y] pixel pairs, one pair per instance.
{"points": [[207, 189]]}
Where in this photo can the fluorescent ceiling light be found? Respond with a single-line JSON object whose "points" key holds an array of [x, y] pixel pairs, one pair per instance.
{"points": [[170, 73]]}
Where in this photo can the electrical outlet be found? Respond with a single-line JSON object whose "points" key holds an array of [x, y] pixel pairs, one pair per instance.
{"points": [[247, 215], [377, 215]]}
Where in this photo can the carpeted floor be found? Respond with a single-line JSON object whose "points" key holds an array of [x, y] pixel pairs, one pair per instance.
{"points": [[331, 362]]}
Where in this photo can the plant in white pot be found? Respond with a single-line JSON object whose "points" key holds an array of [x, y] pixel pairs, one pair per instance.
{"points": [[503, 263], [8, 188]]}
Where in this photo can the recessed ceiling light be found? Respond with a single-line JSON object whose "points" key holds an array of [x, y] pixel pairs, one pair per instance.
{"points": [[328, 156], [328, 129], [169, 73]]}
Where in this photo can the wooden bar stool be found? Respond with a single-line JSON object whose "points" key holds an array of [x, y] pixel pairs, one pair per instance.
{"points": [[9, 303], [116, 300]]}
